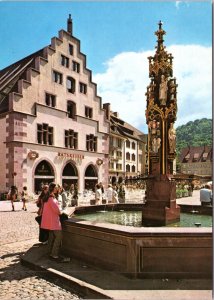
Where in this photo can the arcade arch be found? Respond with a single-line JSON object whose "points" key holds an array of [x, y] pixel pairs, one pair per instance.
{"points": [[44, 174], [69, 174], [91, 177]]}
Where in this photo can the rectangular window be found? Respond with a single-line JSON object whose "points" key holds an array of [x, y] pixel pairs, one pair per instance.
{"points": [[111, 165], [57, 77], [91, 142], [111, 142], [64, 61], [119, 167], [75, 66], [119, 154], [119, 143], [71, 139], [88, 112], [83, 88], [50, 100], [44, 134], [71, 49], [71, 109]]}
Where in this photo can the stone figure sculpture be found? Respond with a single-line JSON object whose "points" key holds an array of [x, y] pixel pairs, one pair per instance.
{"points": [[163, 90], [172, 138]]}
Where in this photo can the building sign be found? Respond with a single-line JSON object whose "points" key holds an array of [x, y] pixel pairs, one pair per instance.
{"points": [[71, 155]]}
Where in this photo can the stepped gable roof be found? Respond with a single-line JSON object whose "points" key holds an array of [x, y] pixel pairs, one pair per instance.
{"points": [[123, 128], [10, 75], [196, 154]]}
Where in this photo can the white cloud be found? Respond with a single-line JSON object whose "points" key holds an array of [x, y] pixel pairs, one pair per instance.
{"points": [[177, 3], [180, 2], [124, 83]]}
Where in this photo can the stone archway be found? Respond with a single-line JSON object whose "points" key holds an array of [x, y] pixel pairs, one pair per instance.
{"points": [[44, 174], [69, 174], [91, 177]]}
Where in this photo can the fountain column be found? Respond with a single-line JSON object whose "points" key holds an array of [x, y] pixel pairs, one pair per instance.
{"points": [[160, 208]]}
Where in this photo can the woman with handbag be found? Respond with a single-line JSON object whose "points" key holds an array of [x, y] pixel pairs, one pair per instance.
{"points": [[51, 221]]}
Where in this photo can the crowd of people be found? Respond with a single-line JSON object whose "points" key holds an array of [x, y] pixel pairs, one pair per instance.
{"points": [[113, 194]]}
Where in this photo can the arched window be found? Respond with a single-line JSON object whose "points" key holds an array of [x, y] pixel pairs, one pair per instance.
{"points": [[127, 155], [133, 145], [69, 175], [90, 171], [71, 109], [69, 170], [128, 144], [91, 178], [44, 174], [133, 157], [133, 168], [127, 168], [71, 85]]}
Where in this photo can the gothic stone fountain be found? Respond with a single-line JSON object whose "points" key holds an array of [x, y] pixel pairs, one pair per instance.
{"points": [[161, 208]]}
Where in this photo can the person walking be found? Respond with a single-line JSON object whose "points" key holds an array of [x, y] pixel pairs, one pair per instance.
{"points": [[98, 195], [109, 193], [51, 221], [25, 197], [12, 195]]}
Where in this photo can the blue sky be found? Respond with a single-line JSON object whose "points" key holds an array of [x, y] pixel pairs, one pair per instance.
{"points": [[112, 34]]}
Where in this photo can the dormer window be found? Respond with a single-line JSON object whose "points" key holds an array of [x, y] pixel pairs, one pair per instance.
{"points": [[195, 156], [204, 157], [187, 157]]}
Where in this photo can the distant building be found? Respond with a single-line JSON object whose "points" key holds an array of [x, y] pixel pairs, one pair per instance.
{"points": [[127, 149], [196, 160], [53, 126]]}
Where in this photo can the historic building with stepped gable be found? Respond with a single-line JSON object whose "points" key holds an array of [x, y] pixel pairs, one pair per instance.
{"points": [[53, 126]]}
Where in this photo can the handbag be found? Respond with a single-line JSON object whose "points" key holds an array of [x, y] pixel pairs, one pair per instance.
{"points": [[63, 217], [38, 219]]}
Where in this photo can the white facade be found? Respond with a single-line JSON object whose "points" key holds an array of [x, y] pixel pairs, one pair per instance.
{"points": [[28, 112]]}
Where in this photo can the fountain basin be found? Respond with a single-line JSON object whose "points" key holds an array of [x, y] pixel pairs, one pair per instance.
{"points": [[147, 252]]}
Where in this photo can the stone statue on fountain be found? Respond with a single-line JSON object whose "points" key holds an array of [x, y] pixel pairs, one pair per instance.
{"points": [[161, 110]]}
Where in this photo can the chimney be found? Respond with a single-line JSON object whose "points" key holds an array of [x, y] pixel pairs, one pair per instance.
{"points": [[106, 107], [69, 24]]}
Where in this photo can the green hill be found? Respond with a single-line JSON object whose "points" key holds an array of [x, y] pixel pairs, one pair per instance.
{"points": [[194, 133]]}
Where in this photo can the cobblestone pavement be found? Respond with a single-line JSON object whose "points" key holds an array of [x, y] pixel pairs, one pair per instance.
{"points": [[19, 231]]}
